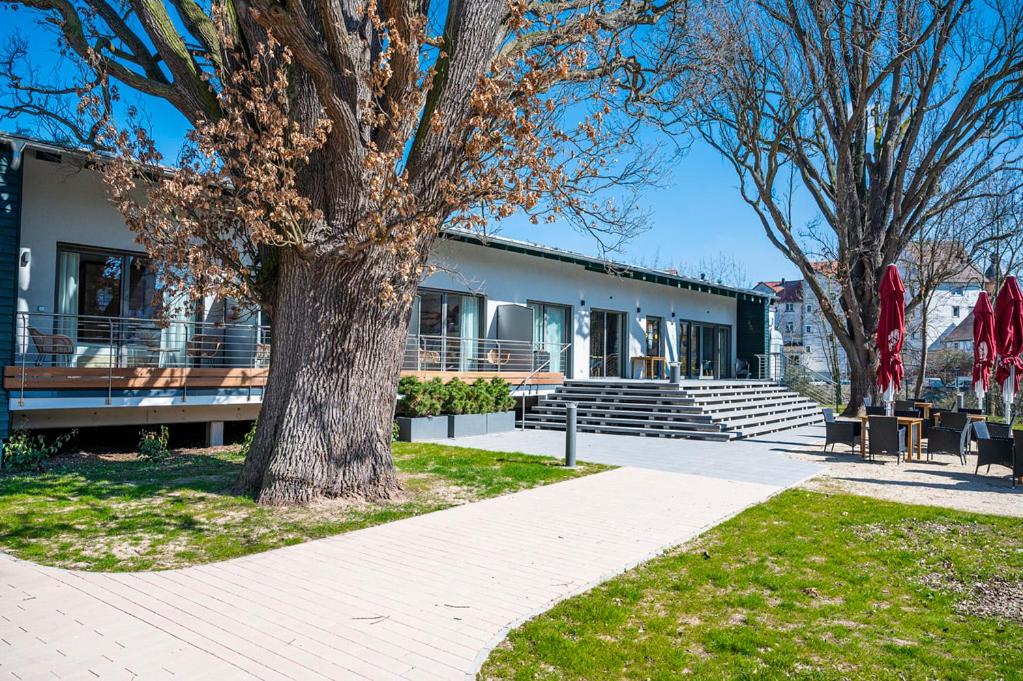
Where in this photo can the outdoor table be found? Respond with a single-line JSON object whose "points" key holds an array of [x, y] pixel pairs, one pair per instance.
{"points": [[649, 362], [925, 407], [915, 425]]}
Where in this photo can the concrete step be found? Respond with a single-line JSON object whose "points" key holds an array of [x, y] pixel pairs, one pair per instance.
{"points": [[653, 424], [775, 427], [601, 410], [643, 432], [679, 403]]}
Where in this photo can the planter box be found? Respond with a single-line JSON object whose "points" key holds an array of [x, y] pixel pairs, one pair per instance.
{"points": [[462, 425], [422, 428], [501, 422]]}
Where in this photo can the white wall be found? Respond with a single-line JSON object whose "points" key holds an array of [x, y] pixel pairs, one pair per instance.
{"points": [[65, 203], [505, 277]]}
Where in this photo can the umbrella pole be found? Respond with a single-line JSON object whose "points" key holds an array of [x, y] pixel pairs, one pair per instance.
{"points": [[1009, 394]]}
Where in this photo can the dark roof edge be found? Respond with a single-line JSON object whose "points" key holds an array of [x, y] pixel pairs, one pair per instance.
{"points": [[603, 266]]}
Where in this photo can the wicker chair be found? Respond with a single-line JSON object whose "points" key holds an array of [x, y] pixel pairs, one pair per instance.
{"points": [[204, 346], [842, 432], [947, 440], [886, 437], [992, 450], [52, 344], [875, 411]]}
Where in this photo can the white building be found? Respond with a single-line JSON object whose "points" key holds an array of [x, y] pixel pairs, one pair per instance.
{"points": [[81, 345]]}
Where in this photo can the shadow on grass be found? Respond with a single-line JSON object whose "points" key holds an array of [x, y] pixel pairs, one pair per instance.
{"points": [[98, 477]]}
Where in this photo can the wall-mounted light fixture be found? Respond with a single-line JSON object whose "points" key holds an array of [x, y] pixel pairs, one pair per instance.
{"points": [[638, 310], [582, 303]]}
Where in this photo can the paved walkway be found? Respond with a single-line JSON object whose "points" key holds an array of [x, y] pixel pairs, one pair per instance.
{"points": [[422, 598]]}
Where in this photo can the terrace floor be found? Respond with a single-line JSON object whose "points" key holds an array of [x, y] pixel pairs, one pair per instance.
{"points": [[426, 598]]}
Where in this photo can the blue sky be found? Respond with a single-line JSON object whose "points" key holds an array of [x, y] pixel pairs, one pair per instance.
{"points": [[695, 215]]}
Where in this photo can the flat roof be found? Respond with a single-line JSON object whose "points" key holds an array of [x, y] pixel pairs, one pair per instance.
{"points": [[588, 262]]}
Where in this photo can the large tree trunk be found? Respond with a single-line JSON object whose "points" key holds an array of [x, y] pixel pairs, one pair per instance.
{"points": [[324, 430], [858, 341]]}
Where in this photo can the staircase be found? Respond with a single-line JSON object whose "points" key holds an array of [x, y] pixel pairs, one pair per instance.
{"points": [[706, 410]]}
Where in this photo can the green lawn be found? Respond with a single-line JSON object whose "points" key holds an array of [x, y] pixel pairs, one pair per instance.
{"points": [[805, 586], [119, 512]]}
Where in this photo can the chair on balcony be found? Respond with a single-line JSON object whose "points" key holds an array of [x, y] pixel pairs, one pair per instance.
{"points": [[886, 437], [498, 358], [204, 346], [53, 344], [261, 360], [992, 450]]}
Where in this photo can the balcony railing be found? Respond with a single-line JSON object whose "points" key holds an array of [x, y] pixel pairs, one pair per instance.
{"points": [[84, 341], [454, 354]]}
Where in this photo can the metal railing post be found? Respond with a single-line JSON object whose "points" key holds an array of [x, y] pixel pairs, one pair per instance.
{"points": [[23, 346], [110, 364]]}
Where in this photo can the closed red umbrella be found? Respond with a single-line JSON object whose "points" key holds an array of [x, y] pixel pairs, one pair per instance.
{"points": [[891, 331], [983, 345], [1009, 341]]}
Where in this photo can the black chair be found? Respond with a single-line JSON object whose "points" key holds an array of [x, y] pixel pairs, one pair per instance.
{"points": [[999, 429], [829, 414], [992, 450], [886, 437], [1017, 461], [956, 420], [842, 432], [943, 440], [972, 410], [911, 413], [875, 411], [905, 405]]}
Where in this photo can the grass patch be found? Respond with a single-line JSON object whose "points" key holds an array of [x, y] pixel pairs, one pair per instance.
{"points": [[805, 586], [121, 513]]}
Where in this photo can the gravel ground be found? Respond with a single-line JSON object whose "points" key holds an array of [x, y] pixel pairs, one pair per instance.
{"points": [[944, 481]]}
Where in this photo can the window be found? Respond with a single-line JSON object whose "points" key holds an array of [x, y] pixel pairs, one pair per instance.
{"points": [[809, 308], [789, 327], [809, 329], [653, 336], [445, 326], [955, 310], [789, 307], [552, 329]]}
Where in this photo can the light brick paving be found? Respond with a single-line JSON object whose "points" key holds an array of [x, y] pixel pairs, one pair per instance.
{"points": [[422, 598]]}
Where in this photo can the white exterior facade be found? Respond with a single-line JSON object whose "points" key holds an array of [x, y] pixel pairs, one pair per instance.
{"points": [[63, 207]]}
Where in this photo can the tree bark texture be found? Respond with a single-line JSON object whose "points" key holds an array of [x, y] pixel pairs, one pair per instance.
{"points": [[324, 430]]}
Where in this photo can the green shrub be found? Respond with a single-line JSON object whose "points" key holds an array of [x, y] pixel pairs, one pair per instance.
{"points": [[433, 397], [395, 431], [500, 391], [420, 398], [246, 445], [153, 444], [22, 452], [458, 398]]}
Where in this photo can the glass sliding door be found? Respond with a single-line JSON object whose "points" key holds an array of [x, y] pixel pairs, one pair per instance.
{"points": [[724, 353], [107, 304], [552, 335], [705, 350], [653, 336], [446, 329], [606, 343]]}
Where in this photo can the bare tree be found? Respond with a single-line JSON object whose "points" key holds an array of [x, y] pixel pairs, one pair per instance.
{"points": [[885, 114], [724, 268], [332, 141]]}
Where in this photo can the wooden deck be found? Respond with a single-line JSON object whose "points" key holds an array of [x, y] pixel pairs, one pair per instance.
{"points": [[140, 378]]}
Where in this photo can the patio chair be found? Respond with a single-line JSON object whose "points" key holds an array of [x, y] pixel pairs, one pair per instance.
{"points": [[954, 420], [910, 413], [742, 369], [905, 405], [992, 450], [829, 414], [886, 437], [972, 410], [947, 440], [1017, 461], [204, 346], [875, 411], [842, 432], [53, 344]]}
